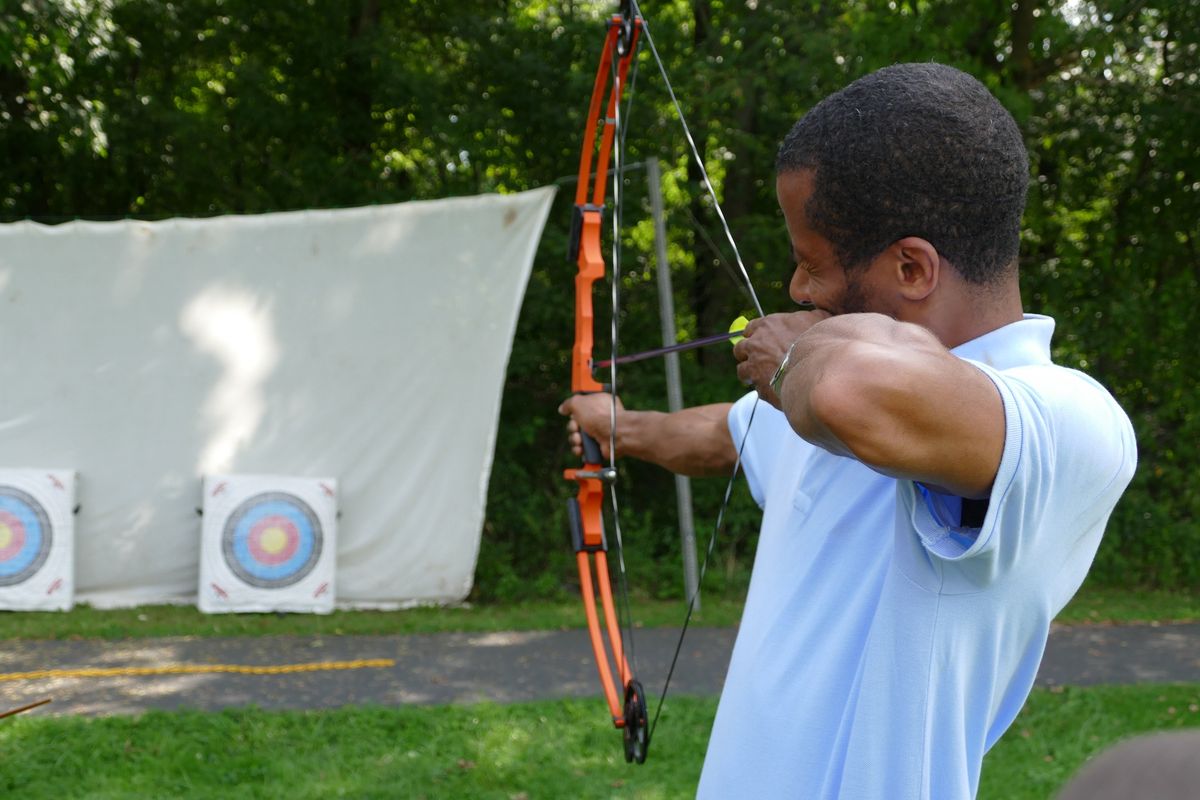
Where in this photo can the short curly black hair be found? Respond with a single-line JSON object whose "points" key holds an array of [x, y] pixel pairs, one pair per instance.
{"points": [[915, 150]]}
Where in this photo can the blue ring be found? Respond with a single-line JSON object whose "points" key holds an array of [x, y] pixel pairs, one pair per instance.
{"points": [[235, 541], [38, 536]]}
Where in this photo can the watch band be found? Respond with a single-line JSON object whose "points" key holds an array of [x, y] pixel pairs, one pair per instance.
{"points": [[777, 378]]}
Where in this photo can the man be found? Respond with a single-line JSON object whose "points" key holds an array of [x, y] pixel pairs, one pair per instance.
{"points": [[933, 488]]}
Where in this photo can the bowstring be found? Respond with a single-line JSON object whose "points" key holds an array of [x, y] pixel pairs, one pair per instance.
{"points": [[662, 70], [708, 551], [625, 612]]}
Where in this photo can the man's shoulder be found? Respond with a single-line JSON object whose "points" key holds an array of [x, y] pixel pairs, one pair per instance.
{"points": [[1066, 412], [1058, 387]]}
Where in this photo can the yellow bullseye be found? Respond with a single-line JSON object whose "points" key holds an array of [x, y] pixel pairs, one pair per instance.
{"points": [[273, 540], [6, 536]]}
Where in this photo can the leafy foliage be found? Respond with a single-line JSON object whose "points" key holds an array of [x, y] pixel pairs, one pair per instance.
{"points": [[151, 108]]}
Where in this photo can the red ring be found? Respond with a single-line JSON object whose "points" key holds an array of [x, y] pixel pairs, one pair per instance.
{"points": [[18, 530], [254, 540]]}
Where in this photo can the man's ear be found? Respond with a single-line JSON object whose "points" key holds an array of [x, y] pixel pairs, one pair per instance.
{"points": [[914, 265]]}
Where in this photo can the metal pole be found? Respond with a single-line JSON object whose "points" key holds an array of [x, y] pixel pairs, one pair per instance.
{"points": [[666, 309]]}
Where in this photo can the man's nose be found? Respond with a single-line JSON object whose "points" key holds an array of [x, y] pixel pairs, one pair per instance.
{"points": [[798, 290]]}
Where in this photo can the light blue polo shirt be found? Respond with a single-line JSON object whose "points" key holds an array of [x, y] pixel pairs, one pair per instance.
{"points": [[883, 648]]}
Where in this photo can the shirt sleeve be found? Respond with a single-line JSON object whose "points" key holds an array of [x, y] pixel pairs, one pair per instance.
{"points": [[759, 432], [1069, 453]]}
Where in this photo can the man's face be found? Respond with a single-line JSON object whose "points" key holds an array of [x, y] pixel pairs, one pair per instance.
{"points": [[819, 279]]}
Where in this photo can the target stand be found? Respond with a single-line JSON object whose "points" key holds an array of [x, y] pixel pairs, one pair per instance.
{"points": [[268, 544], [37, 539]]}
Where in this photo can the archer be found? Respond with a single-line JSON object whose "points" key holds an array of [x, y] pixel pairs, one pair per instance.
{"points": [[933, 487]]}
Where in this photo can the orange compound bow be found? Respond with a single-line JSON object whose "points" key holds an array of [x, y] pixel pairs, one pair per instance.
{"points": [[585, 511]]}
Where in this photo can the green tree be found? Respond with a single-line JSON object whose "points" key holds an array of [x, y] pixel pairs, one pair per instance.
{"points": [[154, 108]]}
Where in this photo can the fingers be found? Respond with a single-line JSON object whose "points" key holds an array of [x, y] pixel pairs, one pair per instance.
{"points": [[751, 373], [591, 413], [759, 353], [745, 371], [574, 439]]}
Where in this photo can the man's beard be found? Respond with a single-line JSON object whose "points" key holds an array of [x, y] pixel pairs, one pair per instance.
{"points": [[856, 300]]}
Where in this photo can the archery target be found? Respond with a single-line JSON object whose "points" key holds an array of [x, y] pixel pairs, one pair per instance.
{"points": [[37, 539], [268, 544], [272, 540]]}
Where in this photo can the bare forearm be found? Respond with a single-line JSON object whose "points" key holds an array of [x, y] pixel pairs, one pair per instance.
{"points": [[694, 441]]}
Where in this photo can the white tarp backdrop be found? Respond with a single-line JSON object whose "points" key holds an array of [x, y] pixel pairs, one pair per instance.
{"points": [[368, 345]]}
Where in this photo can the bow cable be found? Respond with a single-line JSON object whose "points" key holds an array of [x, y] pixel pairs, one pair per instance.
{"points": [[618, 208], [615, 284]]}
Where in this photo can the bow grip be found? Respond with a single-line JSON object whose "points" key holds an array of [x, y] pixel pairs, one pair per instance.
{"points": [[591, 449]]}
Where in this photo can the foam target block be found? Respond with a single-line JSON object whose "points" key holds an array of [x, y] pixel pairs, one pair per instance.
{"points": [[37, 539], [268, 543]]}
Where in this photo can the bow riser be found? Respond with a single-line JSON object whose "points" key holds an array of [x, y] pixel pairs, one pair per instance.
{"points": [[591, 269]]}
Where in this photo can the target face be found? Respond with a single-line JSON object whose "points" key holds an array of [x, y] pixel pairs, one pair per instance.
{"points": [[272, 540], [25, 536]]}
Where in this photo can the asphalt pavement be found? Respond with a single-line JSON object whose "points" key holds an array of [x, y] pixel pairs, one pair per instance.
{"points": [[317, 672]]}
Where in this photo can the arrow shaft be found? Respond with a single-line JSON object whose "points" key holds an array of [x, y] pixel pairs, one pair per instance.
{"points": [[22, 709], [703, 341]]}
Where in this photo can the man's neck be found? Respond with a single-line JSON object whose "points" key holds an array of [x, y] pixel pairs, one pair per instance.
{"points": [[974, 312]]}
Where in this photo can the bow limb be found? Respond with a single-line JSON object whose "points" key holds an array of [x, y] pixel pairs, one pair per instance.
{"points": [[585, 511]]}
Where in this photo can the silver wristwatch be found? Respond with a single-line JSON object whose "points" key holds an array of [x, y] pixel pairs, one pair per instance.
{"points": [[777, 378]]}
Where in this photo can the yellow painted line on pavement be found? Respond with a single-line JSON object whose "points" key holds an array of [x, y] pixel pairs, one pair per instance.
{"points": [[198, 669]]}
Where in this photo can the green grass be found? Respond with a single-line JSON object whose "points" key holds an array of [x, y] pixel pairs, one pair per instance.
{"points": [[1115, 606], [535, 750], [153, 621], [1095, 606]]}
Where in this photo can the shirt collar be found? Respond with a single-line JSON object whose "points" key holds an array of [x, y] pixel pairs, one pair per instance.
{"points": [[1016, 344]]}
